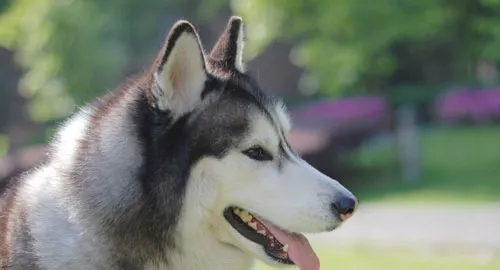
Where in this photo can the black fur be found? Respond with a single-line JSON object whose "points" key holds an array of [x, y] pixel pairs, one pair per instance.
{"points": [[225, 50]]}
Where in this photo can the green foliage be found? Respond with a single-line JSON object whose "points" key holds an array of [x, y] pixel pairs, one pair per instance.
{"points": [[4, 145], [57, 44], [72, 50], [488, 26], [349, 44]]}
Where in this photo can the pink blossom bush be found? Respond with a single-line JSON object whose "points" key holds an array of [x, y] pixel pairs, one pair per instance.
{"points": [[345, 110], [466, 105]]}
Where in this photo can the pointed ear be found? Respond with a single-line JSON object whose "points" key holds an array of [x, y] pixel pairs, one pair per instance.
{"points": [[179, 72], [229, 48]]}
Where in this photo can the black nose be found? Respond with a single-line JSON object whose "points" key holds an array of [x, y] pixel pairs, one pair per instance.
{"points": [[345, 206]]}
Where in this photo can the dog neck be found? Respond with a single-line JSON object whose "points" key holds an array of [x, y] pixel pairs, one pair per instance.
{"points": [[207, 254], [202, 233]]}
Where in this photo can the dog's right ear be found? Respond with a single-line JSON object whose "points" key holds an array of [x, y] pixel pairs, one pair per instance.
{"points": [[179, 73]]}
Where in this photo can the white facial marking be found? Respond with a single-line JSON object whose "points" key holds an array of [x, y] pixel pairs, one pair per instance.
{"points": [[294, 196]]}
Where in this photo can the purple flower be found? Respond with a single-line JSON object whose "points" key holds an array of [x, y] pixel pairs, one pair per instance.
{"points": [[479, 106], [345, 110]]}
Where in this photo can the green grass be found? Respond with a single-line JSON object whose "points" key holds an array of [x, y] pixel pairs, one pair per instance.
{"points": [[459, 165], [382, 259]]}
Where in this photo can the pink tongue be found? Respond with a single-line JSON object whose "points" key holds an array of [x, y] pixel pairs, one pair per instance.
{"points": [[299, 249]]}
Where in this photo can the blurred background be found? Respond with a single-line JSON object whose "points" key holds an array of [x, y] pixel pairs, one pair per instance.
{"points": [[397, 99]]}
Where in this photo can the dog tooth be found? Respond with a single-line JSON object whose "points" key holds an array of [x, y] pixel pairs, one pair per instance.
{"points": [[285, 248], [263, 232], [271, 237], [253, 225], [245, 216]]}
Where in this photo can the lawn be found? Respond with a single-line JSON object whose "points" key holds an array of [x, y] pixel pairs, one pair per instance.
{"points": [[459, 165], [384, 259]]}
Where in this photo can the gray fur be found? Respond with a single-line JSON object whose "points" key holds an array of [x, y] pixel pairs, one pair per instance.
{"points": [[132, 183]]}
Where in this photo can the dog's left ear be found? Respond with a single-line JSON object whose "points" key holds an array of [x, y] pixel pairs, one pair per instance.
{"points": [[228, 50], [179, 71]]}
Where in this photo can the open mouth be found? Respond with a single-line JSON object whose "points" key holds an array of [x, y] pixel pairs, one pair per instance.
{"points": [[281, 246]]}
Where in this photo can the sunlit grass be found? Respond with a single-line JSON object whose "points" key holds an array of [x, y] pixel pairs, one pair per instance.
{"points": [[385, 259], [459, 165]]}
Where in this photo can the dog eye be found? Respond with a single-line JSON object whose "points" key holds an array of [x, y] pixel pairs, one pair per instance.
{"points": [[258, 153]]}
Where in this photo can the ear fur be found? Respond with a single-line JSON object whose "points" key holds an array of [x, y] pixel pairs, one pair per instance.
{"points": [[228, 50], [180, 71]]}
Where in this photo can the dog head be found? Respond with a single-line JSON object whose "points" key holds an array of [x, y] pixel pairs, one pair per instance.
{"points": [[245, 181]]}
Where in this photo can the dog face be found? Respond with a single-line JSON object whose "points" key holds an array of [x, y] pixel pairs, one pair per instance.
{"points": [[256, 192], [266, 189]]}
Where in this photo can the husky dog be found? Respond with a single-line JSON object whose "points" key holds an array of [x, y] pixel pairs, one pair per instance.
{"points": [[187, 167]]}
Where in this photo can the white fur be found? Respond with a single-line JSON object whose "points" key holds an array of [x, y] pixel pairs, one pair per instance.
{"points": [[182, 77], [77, 243], [240, 43], [69, 248], [68, 137], [282, 118], [198, 226], [44, 195]]}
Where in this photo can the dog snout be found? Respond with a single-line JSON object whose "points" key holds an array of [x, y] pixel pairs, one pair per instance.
{"points": [[345, 206]]}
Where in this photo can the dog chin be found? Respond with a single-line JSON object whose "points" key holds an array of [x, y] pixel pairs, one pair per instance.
{"points": [[252, 249]]}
